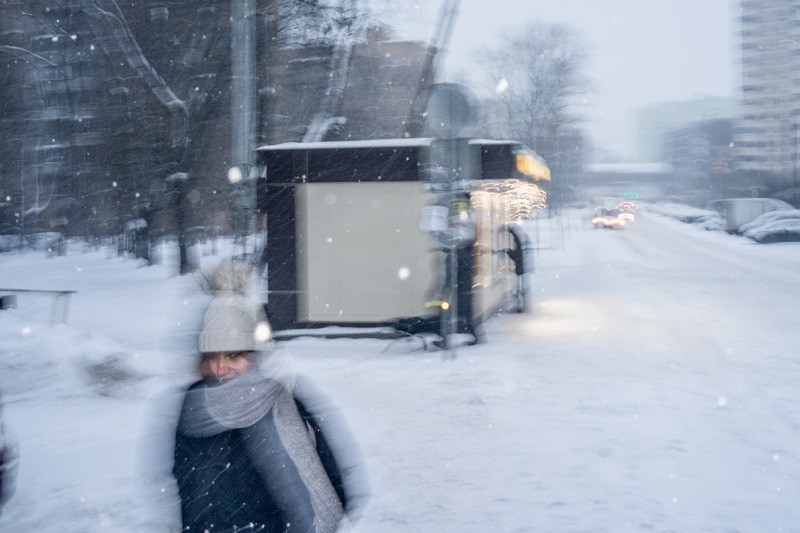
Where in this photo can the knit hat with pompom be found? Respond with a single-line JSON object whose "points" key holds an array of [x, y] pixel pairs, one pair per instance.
{"points": [[234, 321]]}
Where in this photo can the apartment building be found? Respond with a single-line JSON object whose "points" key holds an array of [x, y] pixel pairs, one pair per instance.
{"points": [[766, 136]]}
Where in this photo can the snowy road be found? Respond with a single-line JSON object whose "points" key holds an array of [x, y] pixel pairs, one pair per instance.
{"points": [[653, 387], [677, 354]]}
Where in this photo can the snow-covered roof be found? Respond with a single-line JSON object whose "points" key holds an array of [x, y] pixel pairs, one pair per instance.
{"points": [[493, 141], [372, 143], [333, 145], [628, 168]]}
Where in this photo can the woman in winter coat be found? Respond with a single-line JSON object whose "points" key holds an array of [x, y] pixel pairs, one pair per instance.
{"points": [[256, 450]]}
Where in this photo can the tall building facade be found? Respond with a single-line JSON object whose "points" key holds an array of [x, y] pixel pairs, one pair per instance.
{"points": [[701, 149], [656, 122], [766, 136]]}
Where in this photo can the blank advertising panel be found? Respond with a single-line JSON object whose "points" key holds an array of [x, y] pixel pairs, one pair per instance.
{"points": [[361, 256]]}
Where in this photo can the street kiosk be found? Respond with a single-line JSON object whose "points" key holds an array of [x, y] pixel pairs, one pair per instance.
{"points": [[358, 232]]}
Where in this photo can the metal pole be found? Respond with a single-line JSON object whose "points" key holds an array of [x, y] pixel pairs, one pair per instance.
{"points": [[243, 91], [450, 340], [243, 82]]}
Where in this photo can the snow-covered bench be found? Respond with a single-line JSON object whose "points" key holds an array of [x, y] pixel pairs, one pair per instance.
{"points": [[60, 301]]}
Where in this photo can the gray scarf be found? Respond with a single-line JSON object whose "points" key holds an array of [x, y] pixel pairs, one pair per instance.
{"points": [[230, 404], [239, 403]]}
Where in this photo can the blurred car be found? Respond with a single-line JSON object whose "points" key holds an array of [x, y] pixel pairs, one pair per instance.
{"points": [[604, 201], [627, 206], [780, 230], [605, 218]]}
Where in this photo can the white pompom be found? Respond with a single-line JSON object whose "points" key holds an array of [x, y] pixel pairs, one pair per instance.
{"points": [[233, 276]]}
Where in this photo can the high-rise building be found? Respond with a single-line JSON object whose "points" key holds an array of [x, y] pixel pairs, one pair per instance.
{"points": [[766, 136], [701, 149], [656, 122]]}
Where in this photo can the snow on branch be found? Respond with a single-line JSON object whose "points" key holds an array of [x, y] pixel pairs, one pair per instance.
{"points": [[27, 55], [348, 32], [111, 26]]}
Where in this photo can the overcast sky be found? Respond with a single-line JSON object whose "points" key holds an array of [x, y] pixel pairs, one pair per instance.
{"points": [[641, 51]]}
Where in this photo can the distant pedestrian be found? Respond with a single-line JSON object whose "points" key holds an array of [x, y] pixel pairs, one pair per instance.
{"points": [[523, 264], [255, 449]]}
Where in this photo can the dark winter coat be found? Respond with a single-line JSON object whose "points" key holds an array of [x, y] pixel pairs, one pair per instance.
{"points": [[247, 480], [8, 464]]}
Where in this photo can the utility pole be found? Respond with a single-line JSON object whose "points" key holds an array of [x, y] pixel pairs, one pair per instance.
{"points": [[448, 12], [243, 91]]}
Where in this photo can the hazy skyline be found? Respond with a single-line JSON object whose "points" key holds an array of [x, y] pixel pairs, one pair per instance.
{"points": [[640, 52]]}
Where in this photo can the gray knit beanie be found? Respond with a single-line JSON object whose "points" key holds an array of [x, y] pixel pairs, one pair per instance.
{"points": [[234, 321]]}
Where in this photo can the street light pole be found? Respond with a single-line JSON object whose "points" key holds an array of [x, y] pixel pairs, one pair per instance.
{"points": [[243, 90]]}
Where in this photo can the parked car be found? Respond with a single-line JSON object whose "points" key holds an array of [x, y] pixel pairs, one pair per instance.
{"points": [[740, 211], [781, 230], [760, 220]]}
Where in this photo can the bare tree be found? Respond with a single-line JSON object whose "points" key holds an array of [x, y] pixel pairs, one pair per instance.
{"points": [[346, 35], [537, 76], [165, 66], [139, 97]]}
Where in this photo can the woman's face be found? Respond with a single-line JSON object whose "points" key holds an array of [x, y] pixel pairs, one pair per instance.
{"points": [[225, 365]]}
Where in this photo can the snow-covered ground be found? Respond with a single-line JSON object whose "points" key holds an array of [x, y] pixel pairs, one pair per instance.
{"points": [[653, 387]]}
